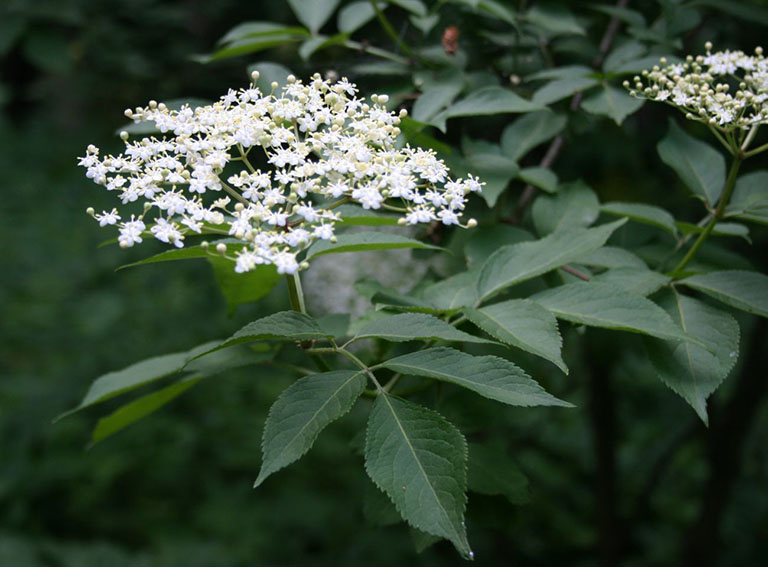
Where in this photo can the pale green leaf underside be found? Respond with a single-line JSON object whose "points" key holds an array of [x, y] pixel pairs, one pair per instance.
{"points": [[520, 262], [364, 241], [689, 370], [523, 324], [608, 306], [301, 412], [414, 326], [741, 289], [420, 460], [489, 376]]}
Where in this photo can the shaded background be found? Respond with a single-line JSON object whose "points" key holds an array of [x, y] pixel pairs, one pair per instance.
{"points": [[175, 489]]}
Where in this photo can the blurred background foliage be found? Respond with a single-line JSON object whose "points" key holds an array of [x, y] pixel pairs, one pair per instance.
{"points": [[175, 489]]}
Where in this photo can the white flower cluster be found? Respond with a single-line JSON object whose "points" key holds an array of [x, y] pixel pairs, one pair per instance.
{"points": [[269, 171], [727, 89]]}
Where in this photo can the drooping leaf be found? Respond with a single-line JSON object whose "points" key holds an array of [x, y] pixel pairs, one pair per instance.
{"points": [[540, 177], [433, 100], [140, 408], [598, 304], [529, 131], [301, 412], [488, 100], [250, 30], [186, 253], [520, 262], [414, 326], [419, 460], [647, 214], [365, 241], [313, 13], [523, 324], [701, 167], [574, 205], [741, 289], [253, 45], [641, 281], [689, 370], [493, 472], [489, 376], [609, 101]]}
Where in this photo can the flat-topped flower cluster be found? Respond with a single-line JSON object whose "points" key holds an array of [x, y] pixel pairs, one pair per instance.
{"points": [[726, 89], [317, 146]]}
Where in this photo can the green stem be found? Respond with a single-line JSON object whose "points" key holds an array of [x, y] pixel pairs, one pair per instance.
{"points": [[392, 33], [730, 183], [295, 294], [756, 151]]}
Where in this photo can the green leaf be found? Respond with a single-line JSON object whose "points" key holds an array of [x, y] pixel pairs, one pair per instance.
{"points": [[597, 304], [641, 281], [414, 326], [186, 253], [565, 72], [540, 177], [250, 30], [486, 101], [523, 324], [562, 88], [492, 472], [251, 45], [496, 170], [701, 167], [269, 73], [689, 370], [612, 102], [355, 15], [490, 376], [140, 408], [433, 100], [574, 205], [283, 325], [313, 13], [485, 240], [364, 241], [354, 215], [520, 262], [498, 10], [419, 459], [646, 214], [528, 131], [415, 7], [720, 229], [247, 287], [612, 257], [301, 412], [554, 18], [741, 289], [750, 198], [454, 292]]}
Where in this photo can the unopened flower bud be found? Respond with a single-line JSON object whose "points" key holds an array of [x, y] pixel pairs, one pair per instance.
{"points": [[221, 248]]}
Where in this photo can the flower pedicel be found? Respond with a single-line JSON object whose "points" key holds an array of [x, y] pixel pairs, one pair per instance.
{"points": [[324, 147]]}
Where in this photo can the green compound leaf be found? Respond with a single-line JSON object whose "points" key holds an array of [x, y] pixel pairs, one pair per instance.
{"points": [[741, 289], [641, 281], [529, 131], [414, 326], [364, 241], [520, 262], [420, 460], [488, 100], [152, 369], [604, 305], [575, 205], [701, 167], [489, 376], [612, 102], [313, 13], [301, 412], [646, 214], [523, 324], [140, 408], [691, 371]]}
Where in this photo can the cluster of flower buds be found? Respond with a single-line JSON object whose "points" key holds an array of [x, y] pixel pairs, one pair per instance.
{"points": [[726, 89], [268, 170]]}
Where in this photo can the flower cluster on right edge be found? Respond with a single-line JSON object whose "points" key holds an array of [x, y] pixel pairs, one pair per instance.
{"points": [[727, 90]]}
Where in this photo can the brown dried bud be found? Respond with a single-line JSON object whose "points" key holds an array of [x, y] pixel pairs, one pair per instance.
{"points": [[451, 40]]}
